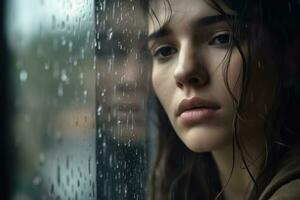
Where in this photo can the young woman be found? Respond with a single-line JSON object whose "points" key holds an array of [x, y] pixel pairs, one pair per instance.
{"points": [[224, 74]]}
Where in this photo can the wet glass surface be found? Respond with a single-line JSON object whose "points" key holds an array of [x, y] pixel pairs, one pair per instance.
{"points": [[53, 77], [120, 100], [80, 86]]}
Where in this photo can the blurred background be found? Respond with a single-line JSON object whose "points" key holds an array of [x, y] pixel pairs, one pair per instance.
{"points": [[75, 85]]}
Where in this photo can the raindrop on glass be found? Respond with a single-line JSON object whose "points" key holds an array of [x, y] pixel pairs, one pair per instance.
{"points": [[58, 136], [109, 34], [42, 158], [63, 41], [58, 175], [67, 162], [85, 93], [64, 76], [52, 189], [37, 180], [23, 75], [89, 166], [60, 90], [46, 66], [81, 75], [99, 110], [70, 46]]}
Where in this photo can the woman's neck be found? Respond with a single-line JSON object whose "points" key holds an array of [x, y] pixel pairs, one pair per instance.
{"points": [[235, 177]]}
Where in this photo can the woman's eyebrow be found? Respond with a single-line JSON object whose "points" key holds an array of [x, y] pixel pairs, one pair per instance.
{"points": [[203, 21], [161, 32], [209, 20]]}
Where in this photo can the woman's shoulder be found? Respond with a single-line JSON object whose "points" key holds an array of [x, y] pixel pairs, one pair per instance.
{"points": [[288, 191], [286, 183]]}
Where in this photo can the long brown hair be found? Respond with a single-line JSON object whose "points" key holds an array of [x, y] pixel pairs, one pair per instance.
{"points": [[267, 29]]}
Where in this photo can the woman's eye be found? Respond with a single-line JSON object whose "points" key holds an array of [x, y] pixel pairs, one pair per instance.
{"points": [[221, 39], [164, 52]]}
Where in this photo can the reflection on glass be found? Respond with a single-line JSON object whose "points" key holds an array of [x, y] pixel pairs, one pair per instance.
{"points": [[120, 95]]}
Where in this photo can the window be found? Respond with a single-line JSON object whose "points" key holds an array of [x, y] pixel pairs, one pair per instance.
{"points": [[79, 87]]}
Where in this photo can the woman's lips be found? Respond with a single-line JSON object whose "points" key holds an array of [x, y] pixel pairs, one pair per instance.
{"points": [[196, 110], [197, 115]]}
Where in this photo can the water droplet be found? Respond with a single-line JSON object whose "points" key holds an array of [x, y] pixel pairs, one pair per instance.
{"points": [[81, 75], [85, 93], [60, 91], [63, 24], [42, 158], [94, 189], [53, 22], [64, 76], [63, 41], [23, 75], [70, 46], [46, 66], [82, 53], [110, 161], [67, 161], [109, 34], [58, 136], [100, 6], [37, 180], [99, 110], [259, 64], [52, 189], [89, 166], [58, 175], [68, 180]]}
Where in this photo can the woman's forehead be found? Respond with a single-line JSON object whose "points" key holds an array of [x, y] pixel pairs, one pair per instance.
{"points": [[179, 11], [180, 8]]}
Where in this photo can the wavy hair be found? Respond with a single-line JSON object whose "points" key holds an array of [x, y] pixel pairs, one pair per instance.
{"points": [[265, 33]]}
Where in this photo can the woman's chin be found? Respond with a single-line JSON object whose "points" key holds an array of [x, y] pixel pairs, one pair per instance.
{"points": [[205, 140]]}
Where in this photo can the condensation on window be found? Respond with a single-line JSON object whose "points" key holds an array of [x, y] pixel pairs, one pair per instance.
{"points": [[122, 79], [79, 81], [53, 80]]}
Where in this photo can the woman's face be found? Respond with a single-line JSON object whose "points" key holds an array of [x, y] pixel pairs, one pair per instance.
{"points": [[188, 71]]}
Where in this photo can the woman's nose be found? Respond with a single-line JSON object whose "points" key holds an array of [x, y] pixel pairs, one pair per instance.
{"points": [[190, 69]]}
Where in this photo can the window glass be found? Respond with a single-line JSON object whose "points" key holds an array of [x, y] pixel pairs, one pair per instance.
{"points": [[53, 79], [122, 84], [79, 83]]}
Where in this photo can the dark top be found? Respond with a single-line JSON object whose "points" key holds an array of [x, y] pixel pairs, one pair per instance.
{"points": [[286, 183]]}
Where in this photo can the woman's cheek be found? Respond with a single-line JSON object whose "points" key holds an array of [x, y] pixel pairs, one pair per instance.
{"points": [[158, 82], [215, 61], [235, 72], [163, 82]]}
